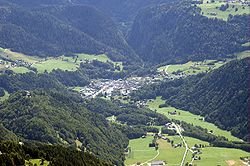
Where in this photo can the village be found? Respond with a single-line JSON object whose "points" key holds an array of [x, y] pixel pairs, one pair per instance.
{"points": [[112, 88]]}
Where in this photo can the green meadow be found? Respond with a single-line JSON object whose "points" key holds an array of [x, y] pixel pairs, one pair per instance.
{"points": [[211, 9], [37, 162], [173, 156], [221, 156], [20, 70], [140, 150], [192, 67], [243, 54], [54, 63], [5, 97], [189, 118]]}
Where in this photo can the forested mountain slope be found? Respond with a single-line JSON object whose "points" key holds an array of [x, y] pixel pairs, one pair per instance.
{"points": [[54, 31], [221, 96], [15, 154], [177, 33], [54, 117]]}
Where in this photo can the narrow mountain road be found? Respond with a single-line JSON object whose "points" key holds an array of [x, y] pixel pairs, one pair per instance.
{"points": [[147, 162], [178, 130]]}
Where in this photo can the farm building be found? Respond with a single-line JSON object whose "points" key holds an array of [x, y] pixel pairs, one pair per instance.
{"points": [[158, 163]]}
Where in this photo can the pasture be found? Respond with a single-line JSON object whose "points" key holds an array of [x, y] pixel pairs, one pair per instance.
{"points": [[243, 54], [38, 162], [188, 117], [54, 63], [221, 156], [102, 58], [20, 70], [5, 97], [211, 9], [140, 151], [191, 67]]}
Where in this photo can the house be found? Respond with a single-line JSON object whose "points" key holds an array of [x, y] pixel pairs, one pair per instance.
{"points": [[21, 143], [158, 163]]}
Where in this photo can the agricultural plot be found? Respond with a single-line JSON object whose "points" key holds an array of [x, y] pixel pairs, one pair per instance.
{"points": [[8, 54], [211, 9], [5, 97], [140, 151], [38, 162], [243, 54], [191, 68], [55, 63], [189, 118], [48, 64], [102, 58], [221, 156], [20, 70]]}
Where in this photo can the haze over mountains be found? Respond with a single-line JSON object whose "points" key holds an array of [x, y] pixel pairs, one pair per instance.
{"points": [[78, 79]]}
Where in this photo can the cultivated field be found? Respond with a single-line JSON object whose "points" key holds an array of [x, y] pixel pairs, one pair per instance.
{"points": [[140, 151]]}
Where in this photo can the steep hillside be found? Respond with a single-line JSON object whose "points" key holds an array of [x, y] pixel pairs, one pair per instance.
{"points": [[12, 154], [220, 96], [177, 33], [54, 117], [56, 31]]}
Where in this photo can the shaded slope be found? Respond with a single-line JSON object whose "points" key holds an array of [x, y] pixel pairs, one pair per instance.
{"points": [[178, 33], [53, 117]]}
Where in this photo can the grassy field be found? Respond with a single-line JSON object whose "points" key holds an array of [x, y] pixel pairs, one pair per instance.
{"points": [[220, 156], [189, 118], [19, 56], [243, 54], [141, 152], [37, 162], [5, 97], [211, 10], [102, 58], [20, 70], [246, 44], [53, 63], [50, 63], [192, 67], [173, 156]]}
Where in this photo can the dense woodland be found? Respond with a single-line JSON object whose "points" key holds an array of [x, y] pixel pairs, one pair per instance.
{"points": [[61, 118], [54, 31], [178, 33], [221, 96], [16, 154]]}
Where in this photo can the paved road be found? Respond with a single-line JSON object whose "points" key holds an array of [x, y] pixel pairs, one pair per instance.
{"points": [[178, 130]]}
